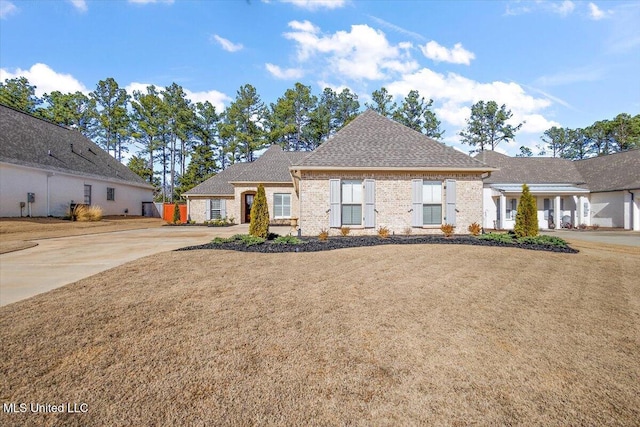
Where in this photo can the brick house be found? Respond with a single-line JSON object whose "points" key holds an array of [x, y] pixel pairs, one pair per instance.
{"points": [[373, 173]]}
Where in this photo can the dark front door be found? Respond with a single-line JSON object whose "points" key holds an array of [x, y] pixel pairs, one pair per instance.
{"points": [[248, 203]]}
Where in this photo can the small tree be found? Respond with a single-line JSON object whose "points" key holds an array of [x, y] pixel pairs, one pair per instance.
{"points": [[259, 225], [527, 216], [176, 213]]}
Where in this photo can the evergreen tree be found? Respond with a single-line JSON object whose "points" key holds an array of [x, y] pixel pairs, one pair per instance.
{"points": [[243, 124], [487, 126], [149, 119], [382, 102], [18, 93], [259, 222], [416, 114], [527, 216], [290, 116], [555, 139], [74, 110], [114, 125]]}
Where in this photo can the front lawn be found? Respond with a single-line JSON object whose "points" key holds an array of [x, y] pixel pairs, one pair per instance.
{"points": [[384, 335]]}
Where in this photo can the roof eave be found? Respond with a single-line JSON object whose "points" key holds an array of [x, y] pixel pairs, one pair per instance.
{"points": [[393, 169]]}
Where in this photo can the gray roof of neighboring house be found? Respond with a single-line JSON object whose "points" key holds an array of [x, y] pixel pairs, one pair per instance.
{"points": [[529, 170], [271, 166], [374, 141], [29, 141], [619, 171]]}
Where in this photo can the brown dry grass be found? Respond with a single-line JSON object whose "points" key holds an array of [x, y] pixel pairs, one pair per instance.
{"points": [[17, 233], [391, 335]]}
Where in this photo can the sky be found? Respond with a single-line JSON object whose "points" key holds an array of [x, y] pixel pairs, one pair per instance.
{"points": [[552, 63]]}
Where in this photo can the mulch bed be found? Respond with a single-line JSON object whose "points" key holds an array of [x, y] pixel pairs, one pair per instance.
{"points": [[314, 245]]}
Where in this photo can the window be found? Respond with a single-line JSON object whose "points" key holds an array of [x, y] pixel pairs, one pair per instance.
{"points": [[111, 193], [432, 202], [282, 205], [87, 194], [351, 202], [216, 209], [512, 209]]}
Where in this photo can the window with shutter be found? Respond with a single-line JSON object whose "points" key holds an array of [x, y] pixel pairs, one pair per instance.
{"points": [[351, 202]]}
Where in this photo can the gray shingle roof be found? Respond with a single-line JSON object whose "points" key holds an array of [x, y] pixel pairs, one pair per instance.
{"points": [[374, 141], [29, 141], [619, 171], [530, 170], [271, 166]]}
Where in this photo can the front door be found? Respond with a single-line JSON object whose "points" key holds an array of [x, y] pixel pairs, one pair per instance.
{"points": [[248, 203]]}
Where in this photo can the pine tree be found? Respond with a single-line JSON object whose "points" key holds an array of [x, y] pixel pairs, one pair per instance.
{"points": [[527, 216], [176, 213], [259, 225]]}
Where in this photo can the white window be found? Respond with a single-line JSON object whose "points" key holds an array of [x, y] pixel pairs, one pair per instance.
{"points": [[216, 209], [282, 205], [351, 202], [432, 202]]}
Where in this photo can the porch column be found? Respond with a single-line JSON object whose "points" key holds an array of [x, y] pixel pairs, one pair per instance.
{"points": [[579, 219], [503, 210], [586, 216], [635, 206], [627, 213], [556, 212]]}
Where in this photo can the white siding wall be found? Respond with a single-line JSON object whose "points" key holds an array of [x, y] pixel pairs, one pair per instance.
{"points": [[607, 209], [17, 181]]}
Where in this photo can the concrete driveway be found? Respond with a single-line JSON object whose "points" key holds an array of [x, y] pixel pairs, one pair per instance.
{"points": [[60, 261], [610, 237]]}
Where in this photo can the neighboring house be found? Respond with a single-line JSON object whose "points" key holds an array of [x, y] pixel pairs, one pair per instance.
{"points": [[373, 173], [603, 191], [230, 193], [45, 168]]}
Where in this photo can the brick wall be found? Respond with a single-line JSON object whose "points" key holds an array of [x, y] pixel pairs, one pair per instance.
{"points": [[392, 201]]}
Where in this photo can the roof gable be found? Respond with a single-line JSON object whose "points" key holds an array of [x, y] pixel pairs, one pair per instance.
{"points": [[374, 141], [33, 142], [618, 171]]}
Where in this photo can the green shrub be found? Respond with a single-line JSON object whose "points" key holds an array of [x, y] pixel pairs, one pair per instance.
{"points": [[288, 240], [543, 240], [259, 224], [497, 237], [527, 216], [250, 240], [176, 214]]}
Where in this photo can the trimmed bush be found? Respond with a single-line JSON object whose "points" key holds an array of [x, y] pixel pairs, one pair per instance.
{"points": [[288, 240], [527, 216], [176, 214], [259, 224]]}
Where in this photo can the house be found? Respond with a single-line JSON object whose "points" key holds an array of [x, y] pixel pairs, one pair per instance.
{"points": [[602, 191], [373, 173], [230, 193], [46, 168]]}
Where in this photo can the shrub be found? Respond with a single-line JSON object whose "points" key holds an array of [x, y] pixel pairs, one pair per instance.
{"points": [[345, 231], [383, 232], [527, 216], [324, 235], [250, 240], [87, 213], [543, 240], [497, 237], [583, 226], [595, 226], [407, 231], [259, 224], [475, 229], [447, 229], [288, 240], [176, 213]]}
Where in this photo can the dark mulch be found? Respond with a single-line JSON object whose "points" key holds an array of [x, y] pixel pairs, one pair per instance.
{"points": [[312, 244]]}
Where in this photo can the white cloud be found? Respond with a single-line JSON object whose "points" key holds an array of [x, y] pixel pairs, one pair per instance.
{"points": [[286, 74], [362, 53], [81, 5], [518, 7], [577, 75], [596, 13], [457, 55], [564, 8], [7, 8], [454, 94], [46, 79], [227, 45], [316, 4]]}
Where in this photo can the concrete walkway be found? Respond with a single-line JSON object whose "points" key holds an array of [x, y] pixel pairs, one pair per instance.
{"points": [[60, 261]]}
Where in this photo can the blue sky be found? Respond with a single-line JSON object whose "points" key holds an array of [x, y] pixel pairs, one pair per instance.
{"points": [[562, 63]]}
